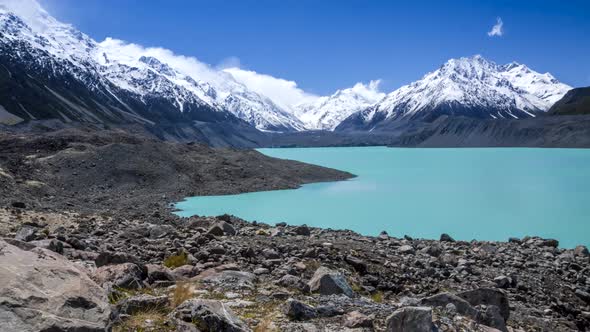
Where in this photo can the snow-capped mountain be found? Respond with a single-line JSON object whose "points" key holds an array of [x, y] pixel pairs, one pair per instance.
{"points": [[51, 70], [471, 87], [30, 31], [328, 111]]}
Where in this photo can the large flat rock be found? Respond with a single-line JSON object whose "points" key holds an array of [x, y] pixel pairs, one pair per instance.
{"points": [[43, 291]]}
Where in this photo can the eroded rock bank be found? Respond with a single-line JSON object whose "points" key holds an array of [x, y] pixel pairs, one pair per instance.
{"points": [[226, 274]]}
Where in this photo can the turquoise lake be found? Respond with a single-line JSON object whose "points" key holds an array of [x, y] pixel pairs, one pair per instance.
{"points": [[484, 194]]}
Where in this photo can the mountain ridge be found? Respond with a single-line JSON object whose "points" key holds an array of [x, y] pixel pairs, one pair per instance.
{"points": [[469, 86]]}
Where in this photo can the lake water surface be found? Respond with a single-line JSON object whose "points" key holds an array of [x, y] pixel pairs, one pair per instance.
{"points": [[484, 194]]}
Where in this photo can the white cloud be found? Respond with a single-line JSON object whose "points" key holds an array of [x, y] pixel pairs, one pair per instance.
{"points": [[497, 29], [285, 93], [369, 91], [28, 10], [282, 92]]}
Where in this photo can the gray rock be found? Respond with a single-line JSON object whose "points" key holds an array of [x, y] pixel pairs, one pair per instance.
{"points": [[407, 250], [492, 317], [160, 231], [296, 310], [302, 230], [50, 244], [434, 250], [443, 299], [488, 296], [126, 275], [270, 254], [222, 228], [185, 272], [581, 251], [159, 273], [328, 282], [355, 319], [410, 319], [549, 243], [207, 315], [444, 237], [261, 271], [107, 258], [231, 280], [26, 234], [502, 281], [584, 296], [294, 282], [140, 303], [358, 264], [43, 291]]}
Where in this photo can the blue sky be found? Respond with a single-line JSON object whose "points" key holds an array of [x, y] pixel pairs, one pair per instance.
{"points": [[326, 45]]}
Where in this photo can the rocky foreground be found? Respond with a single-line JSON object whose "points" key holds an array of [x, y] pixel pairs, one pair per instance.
{"points": [[159, 272], [88, 243]]}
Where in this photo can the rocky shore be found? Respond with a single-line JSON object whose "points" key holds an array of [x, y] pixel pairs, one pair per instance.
{"points": [[74, 272], [88, 243]]}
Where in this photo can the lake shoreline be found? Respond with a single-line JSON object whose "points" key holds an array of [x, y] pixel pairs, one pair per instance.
{"points": [[132, 255]]}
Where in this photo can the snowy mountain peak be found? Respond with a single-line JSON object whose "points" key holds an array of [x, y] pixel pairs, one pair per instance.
{"points": [[327, 112], [468, 86]]}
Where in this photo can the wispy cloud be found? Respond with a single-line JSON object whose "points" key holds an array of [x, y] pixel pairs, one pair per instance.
{"points": [[497, 29]]}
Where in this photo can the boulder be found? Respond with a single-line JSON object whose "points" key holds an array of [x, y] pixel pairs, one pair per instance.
{"points": [[355, 319], [26, 234], [410, 319], [293, 282], [206, 315], [296, 310], [444, 237], [358, 264], [160, 231], [50, 244], [222, 228], [43, 291], [302, 230], [328, 282], [581, 251], [492, 317], [407, 250], [107, 258], [462, 307], [502, 281], [126, 275], [549, 243], [185, 272], [159, 273], [270, 253], [488, 296]]}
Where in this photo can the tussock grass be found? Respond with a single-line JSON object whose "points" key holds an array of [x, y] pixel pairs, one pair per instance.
{"points": [[182, 292], [175, 261], [377, 297]]}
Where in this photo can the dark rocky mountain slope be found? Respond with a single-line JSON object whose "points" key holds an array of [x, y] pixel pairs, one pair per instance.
{"points": [[575, 102]]}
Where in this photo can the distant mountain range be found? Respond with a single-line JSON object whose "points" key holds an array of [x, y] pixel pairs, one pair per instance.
{"points": [[50, 70]]}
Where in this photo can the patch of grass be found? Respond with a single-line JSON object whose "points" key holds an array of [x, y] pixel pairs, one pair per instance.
{"points": [[182, 292], [377, 297], [175, 261], [149, 320]]}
